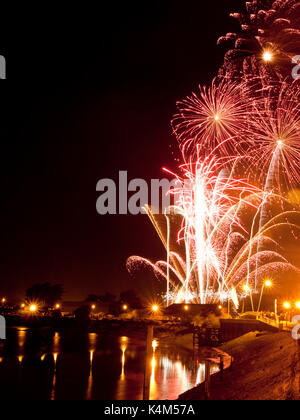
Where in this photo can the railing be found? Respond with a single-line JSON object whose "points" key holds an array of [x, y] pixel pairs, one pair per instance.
{"points": [[281, 325], [269, 321]]}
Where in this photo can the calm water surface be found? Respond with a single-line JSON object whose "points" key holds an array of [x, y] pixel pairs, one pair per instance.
{"points": [[40, 364]]}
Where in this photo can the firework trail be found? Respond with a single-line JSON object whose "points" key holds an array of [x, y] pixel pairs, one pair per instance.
{"points": [[229, 251], [219, 254]]}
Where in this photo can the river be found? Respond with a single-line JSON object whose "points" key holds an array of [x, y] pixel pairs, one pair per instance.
{"points": [[40, 364]]}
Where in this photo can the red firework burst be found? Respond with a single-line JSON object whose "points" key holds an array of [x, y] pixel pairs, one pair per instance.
{"points": [[269, 39], [275, 134], [212, 120]]}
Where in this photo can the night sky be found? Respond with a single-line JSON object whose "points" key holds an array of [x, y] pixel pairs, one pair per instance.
{"points": [[91, 91]]}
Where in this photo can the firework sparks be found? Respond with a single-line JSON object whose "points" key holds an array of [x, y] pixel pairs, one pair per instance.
{"points": [[269, 39], [227, 230], [275, 136], [212, 120]]}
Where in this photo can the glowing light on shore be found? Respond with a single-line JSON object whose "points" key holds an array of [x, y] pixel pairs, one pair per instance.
{"points": [[155, 308]]}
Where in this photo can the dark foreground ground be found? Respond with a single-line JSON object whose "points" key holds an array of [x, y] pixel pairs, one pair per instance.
{"points": [[265, 367]]}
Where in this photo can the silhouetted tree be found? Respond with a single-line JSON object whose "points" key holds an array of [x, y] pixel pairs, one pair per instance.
{"points": [[107, 298], [45, 293], [131, 298]]}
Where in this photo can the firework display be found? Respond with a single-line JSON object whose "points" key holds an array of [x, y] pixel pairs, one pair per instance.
{"points": [[269, 39], [212, 120], [240, 145]]}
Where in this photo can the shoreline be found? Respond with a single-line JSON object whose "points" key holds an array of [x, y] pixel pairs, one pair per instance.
{"points": [[266, 366]]}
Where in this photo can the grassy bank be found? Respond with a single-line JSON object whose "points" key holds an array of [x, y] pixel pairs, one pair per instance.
{"points": [[265, 367]]}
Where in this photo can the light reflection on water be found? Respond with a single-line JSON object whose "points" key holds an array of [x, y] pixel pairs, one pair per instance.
{"points": [[170, 378], [92, 366]]}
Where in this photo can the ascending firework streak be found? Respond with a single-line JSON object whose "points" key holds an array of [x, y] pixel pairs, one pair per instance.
{"points": [[209, 204], [230, 253], [218, 254]]}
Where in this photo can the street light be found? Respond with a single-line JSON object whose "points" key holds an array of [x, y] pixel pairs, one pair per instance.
{"points": [[125, 307], [155, 308], [3, 300], [298, 305], [267, 283], [287, 306], [33, 308], [93, 307], [57, 306], [186, 307]]}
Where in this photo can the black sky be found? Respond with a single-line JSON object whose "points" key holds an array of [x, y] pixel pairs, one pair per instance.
{"points": [[91, 91]]}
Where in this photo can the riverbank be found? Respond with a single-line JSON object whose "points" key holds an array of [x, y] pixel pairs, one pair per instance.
{"points": [[265, 367]]}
